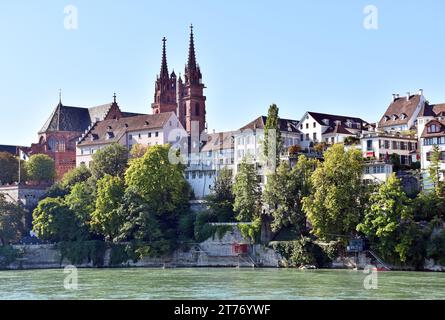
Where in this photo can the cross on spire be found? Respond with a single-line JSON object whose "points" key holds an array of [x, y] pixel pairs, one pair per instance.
{"points": [[114, 97]]}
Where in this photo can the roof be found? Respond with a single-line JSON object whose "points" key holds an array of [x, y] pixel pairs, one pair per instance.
{"points": [[285, 124], [219, 141], [320, 117], [77, 119], [9, 149], [338, 129], [441, 124], [400, 106], [99, 133]]}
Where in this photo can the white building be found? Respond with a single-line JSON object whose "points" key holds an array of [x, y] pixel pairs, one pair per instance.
{"points": [[376, 171], [146, 130], [320, 127], [216, 152], [250, 138]]}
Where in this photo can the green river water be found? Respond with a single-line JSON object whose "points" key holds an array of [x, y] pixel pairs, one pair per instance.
{"points": [[217, 284]]}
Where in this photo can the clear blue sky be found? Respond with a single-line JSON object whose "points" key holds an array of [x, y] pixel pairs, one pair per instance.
{"points": [[299, 54]]}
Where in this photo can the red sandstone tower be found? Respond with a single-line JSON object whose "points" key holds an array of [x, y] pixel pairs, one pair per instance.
{"points": [[165, 88], [191, 93]]}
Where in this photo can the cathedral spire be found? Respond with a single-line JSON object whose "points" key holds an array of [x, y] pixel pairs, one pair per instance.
{"points": [[192, 57], [164, 67]]}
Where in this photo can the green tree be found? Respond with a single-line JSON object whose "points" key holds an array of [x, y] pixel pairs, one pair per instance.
{"points": [[11, 221], [284, 192], [41, 168], [81, 201], [54, 221], [75, 176], [435, 171], [110, 160], [336, 204], [383, 223], [8, 168], [160, 183], [105, 219], [247, 191], [272, 136], [221, 200]]}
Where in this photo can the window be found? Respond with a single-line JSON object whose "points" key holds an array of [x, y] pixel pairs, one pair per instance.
{"points": [[369, 145], [52, 143], [307, 125], [386, 144], [149, 134], [394, 145], [307, 137], [433, 128], [315, 124], [139, 135], [130, 137], [315, 136], [156, 134], [301, 127], [197, 109], [302, 137]]}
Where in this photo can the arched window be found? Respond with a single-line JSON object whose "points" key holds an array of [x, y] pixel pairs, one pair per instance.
{"points": [[52, 144], [62, 145], [197, 109]]}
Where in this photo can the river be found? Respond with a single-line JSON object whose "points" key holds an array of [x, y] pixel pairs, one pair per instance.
{"points": [[263, 284]]}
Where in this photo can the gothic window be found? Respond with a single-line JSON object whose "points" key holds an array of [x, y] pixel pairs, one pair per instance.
{"points": [[52, 144], [197, 109], [62, 146]]}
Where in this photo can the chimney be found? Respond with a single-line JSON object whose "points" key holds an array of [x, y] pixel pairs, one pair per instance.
{"points": [[421, 92], [408, 94], [394, 97]]}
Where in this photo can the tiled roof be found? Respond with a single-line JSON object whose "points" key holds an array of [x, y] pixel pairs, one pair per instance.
{"points": [[338, 129], [285, 124], [9, 149], [321, 117], [441, 133], [109, 131], [402, 108], [218, 141]]}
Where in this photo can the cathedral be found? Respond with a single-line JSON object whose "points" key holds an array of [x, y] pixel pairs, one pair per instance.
{"points": [[66, 124], [184, 97]]}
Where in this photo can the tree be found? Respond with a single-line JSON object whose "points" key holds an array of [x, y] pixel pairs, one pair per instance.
{"points": [[272, 137], [75, 176], [284, 192], [383, 222], [81, 201], [220, 201], [138, 150], [338, 198], [247, 192], [110, 160], [105, 219], [160, 183], [54, 221], [11, 221], [8, 168], [434, 170], [41, 168]]}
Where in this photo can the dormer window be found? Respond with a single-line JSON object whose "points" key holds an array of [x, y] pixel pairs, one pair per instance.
{"points": [[146, 123], [403, 116], [110, 135], [326, 122], [386, 118], [433, 128], [394, 117]]}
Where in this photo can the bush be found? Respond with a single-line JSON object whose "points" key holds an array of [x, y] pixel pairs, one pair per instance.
{"points": [[301, 252], [84, 251], [8, 255], [436, 248]]}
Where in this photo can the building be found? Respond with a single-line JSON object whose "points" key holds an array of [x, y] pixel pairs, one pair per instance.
{"points": [[402, 113], [14, 150], [217, 152], [250, 138], [59, 134], [382, 146], [146, 130], [376, 171], [184, 97], [320, 127]]}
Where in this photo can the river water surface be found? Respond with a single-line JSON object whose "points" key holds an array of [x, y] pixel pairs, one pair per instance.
{"points": [[263, 284]]}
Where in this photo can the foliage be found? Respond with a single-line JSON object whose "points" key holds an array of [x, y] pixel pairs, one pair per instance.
{"points": [[81, 201], [111, 160], [8, 255], [40, 168], [335, 206], [11, 221], [138, 151], [79, 252], [247, 191], [160, 183], [251, 231], [388, 223], [106, 218], [284, 191], [221, 200], [295, 149], [122, 253], [75, 176], [301, 252], [54, 221], [320, 147], [272, 129], [428, 206], [9, 168], [434, 170], [351, 140], [436, 248]]}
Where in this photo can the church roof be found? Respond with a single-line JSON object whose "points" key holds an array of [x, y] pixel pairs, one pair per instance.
{"points": [[66, 118]]}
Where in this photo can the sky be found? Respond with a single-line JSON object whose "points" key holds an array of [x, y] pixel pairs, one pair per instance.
{"points": [[318, 55]]}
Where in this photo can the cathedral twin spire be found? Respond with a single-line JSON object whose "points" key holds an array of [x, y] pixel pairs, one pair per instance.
{"points": [[186, 98]]}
